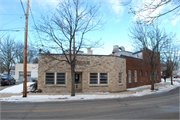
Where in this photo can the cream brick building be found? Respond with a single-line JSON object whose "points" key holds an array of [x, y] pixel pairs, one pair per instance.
{"points": [[94, 73]]}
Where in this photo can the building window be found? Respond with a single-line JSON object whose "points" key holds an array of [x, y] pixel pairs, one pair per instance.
{"points": [[146, 73], [49, 78], [98, 78], [103, 78], [150, 77], [129, 76], [60, 78], [158, 76], [140, 72], [93, 78], [155, 76], [120, 77], [135, 76]]}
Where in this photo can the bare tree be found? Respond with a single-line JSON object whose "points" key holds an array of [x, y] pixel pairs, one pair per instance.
{"points": [[20, 52], [172, 59], [67, 28], [150, 10], [8, 52], [153, 41], [32, 53]]}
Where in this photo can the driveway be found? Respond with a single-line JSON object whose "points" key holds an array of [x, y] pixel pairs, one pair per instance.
{"points": [[6, 86]]}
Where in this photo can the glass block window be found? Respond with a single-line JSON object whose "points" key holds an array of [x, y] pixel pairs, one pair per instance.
{"points": [[49, 78], [146, 73], [120, 77], [135, 76], [93, 78], [103, 78], [140, 72], [60, 78], [129, 75]]}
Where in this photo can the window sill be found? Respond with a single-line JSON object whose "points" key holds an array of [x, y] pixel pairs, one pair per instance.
{"points": [[99, 85], [55, 85], [120, 84]]}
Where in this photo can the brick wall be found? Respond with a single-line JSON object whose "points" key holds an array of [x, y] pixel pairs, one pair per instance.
{"points": [[140, 65]]}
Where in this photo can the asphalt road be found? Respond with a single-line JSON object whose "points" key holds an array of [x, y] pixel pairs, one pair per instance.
{"points": [[157, 106]]}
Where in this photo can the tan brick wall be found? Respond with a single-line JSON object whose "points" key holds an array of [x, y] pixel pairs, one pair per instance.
{"points": [[98, 64]]}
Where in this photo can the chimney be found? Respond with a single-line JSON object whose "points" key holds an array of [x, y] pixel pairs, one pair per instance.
{"points": [[115, 48], [40, 50], [89, 51]]}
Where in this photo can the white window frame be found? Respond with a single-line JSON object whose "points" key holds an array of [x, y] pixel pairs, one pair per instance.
{"points": [[135, 75], [98, 81], [129, 76], [55, 78], [64, 78]]}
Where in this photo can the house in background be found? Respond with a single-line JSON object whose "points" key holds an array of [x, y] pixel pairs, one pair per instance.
{"points": [[32, 72]]}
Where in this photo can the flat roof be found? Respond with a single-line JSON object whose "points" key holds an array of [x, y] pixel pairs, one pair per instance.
{"points": [[87, 55]]}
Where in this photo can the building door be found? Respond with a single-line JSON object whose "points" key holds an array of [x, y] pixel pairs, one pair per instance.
{"points": [[28, 76], [78, 81], [21, 76]]}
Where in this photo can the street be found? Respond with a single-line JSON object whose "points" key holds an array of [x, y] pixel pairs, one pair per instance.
{"points": [[156, 106]]}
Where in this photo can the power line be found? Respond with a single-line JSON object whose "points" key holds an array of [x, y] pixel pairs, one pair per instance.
{"points": [[10, 14], [35, 24], [11, 30], [47, 11], [14, 28], [11, 21], [23, 7]]}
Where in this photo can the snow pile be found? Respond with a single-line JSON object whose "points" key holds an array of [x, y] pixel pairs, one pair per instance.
{"points": [[166, 86], [140, 87], [16, 88], [53, 98]]}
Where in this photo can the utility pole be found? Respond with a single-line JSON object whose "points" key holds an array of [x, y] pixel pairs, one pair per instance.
{"points": [[25, 53], [73, 81]]}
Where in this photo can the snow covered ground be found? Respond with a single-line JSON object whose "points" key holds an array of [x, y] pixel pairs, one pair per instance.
{"points": [[16, 88], [160, 87]]}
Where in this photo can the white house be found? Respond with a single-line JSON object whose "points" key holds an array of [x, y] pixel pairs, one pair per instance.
{"points": [[32, 71]]}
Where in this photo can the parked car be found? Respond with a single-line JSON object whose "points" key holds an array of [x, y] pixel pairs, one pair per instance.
{"points": [[7, 80], [177, 76]]}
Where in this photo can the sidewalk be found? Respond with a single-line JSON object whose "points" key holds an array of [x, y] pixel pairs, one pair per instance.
{"points": [[128, 91]]}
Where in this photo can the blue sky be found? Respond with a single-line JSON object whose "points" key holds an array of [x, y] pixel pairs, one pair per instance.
{"points": [[115, 31]]}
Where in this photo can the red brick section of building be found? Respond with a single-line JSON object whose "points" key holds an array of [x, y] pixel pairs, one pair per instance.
{"points": [[142, 72]]}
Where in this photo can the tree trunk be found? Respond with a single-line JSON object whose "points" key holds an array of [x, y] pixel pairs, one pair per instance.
{"points": [[171, 80], [9, 70], [73, 80], [152, 81]]}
